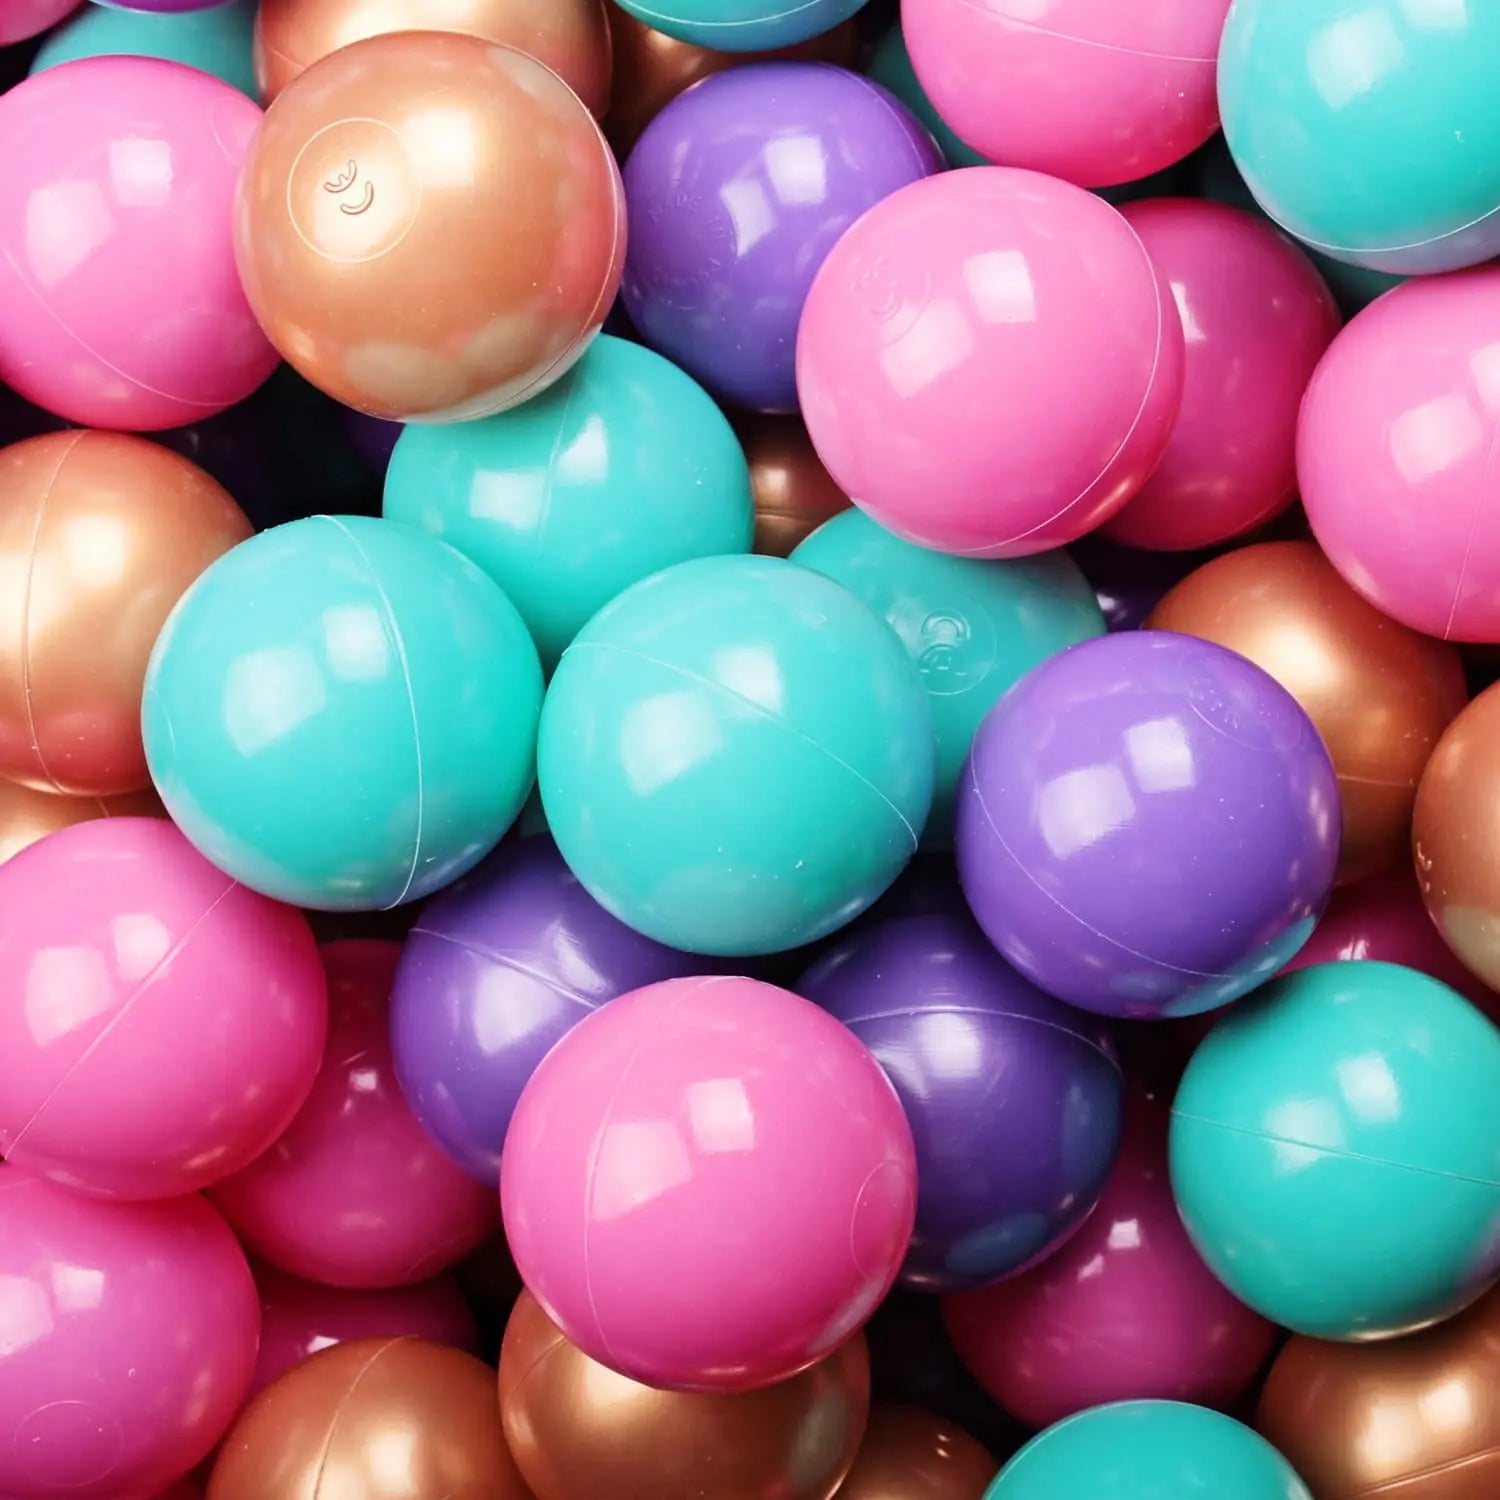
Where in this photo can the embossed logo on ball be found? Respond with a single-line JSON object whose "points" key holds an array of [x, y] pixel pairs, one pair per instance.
{"points": [[953, 652], [353, 193], [1238, 715]]}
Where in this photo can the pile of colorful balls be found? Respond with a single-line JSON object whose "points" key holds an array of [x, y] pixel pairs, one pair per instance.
{"points": [[750, 750]]}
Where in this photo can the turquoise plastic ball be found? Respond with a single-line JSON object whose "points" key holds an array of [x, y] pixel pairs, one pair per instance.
{"points": [[742, 25], [1335, 1151], [219, 40], [1148, 1450], [972, 627], [624, 467], [1370, 129], [891, 66], [341, 713], [736, 756]]}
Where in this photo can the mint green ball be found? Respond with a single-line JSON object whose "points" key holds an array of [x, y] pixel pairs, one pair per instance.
{"points": [[972, 627], [891, 67], [1335, 1151], [1148, 1450]]}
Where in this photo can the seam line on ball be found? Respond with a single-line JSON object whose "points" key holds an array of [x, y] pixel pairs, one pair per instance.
{"points": [[1452, 1466], [1479, 508], [1343, 250], [338, 1412], [760, 709], [1018, 24], [482, 950], [781, 15], [998, 1015]]}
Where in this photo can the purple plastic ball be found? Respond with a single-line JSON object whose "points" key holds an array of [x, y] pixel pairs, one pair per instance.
{"points": [[1015, 1101], [498, 969], [736, 193], [1148, 826]]}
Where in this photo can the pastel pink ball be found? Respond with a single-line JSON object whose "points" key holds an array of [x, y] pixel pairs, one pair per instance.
{"points": [[127, 1340], [20, 19], [355, 1193], [1097, 92], [160, 1024], [709, 1184], [989, 364], [120, 306], [1395, 454], [1256, 318]]}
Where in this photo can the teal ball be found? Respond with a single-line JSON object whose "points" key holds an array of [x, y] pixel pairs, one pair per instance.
{"points": [[742, 25], [736, 756], [624, 467], [972, 627], [1335, 1151], [341, 713], [891, 67]]}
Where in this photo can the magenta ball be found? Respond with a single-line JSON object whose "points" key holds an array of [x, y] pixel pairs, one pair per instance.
{"points": [[127, 1341], [120, 305], [1257, 318], [1125, 1311], [989, 363], [1098, 92], [355, 1193], [709, 1184], [22, 19], [160, 1024], [1395, 454]]}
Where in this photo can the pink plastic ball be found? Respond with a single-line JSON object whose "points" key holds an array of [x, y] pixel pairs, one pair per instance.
{"points": [[989, 364], [1256, 317], [21, 19], [127, 1340], [355, 1193], [1395, 454], [160, 1024], [1097, 92], [120, 306], [708, 1184]]}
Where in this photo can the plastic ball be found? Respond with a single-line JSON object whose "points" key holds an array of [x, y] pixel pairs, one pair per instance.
{"points": [[22, 19], [100, 535], [1316, 1124], [1092, 91], [578, 1430], [939, 360], [342, 713], [127, 1338], [497, 970], [742, 25], [119, 303], [654, 1208], [1014, 1100], [891, 67], [430, 227], [908, 1451], [1416, 1418], [1369, 128], [120, 1079], [1148, 1450], [1380, 695], [354, 1194], [384, 1419], [216, 40], [973, 627], [27, 816], [794, 493], [736, 756], [1393, 455], [622, 468], [163, 7], [1126, 1310], [1149, 825], [719, 299]]}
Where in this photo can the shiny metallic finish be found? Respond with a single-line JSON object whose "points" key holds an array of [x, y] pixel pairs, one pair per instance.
{"points": [[100, 535], [1379, 693], [27, 815], [909, 1454], [794, 493], [581, 1432], [430, 227]]}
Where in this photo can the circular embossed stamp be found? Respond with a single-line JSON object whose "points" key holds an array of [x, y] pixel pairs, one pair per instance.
{"points": [[353, 193]]}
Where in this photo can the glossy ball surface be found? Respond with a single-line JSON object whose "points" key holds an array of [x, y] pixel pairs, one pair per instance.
{"points": [[891, 67], [908, 1451], [27, 816], [974, 294], [1149, 825], [122, 1391], [342, 713], [652, 1208], [743, 25], [127, 312], [1368, 128], [736, 756], [1316, 1123], [430, 227], [794, 493]]}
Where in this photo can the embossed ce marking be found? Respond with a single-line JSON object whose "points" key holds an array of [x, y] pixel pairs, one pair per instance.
{"points": [[341, 182]]}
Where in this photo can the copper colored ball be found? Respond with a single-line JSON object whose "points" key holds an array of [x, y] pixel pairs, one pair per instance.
{"points": [[581, 1432], [376, 1419], [430, 227], [909, 1454], [100, 535], [27, 815], [570, 36], [1380, 694], [794, 493], [1413, 1419]]}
